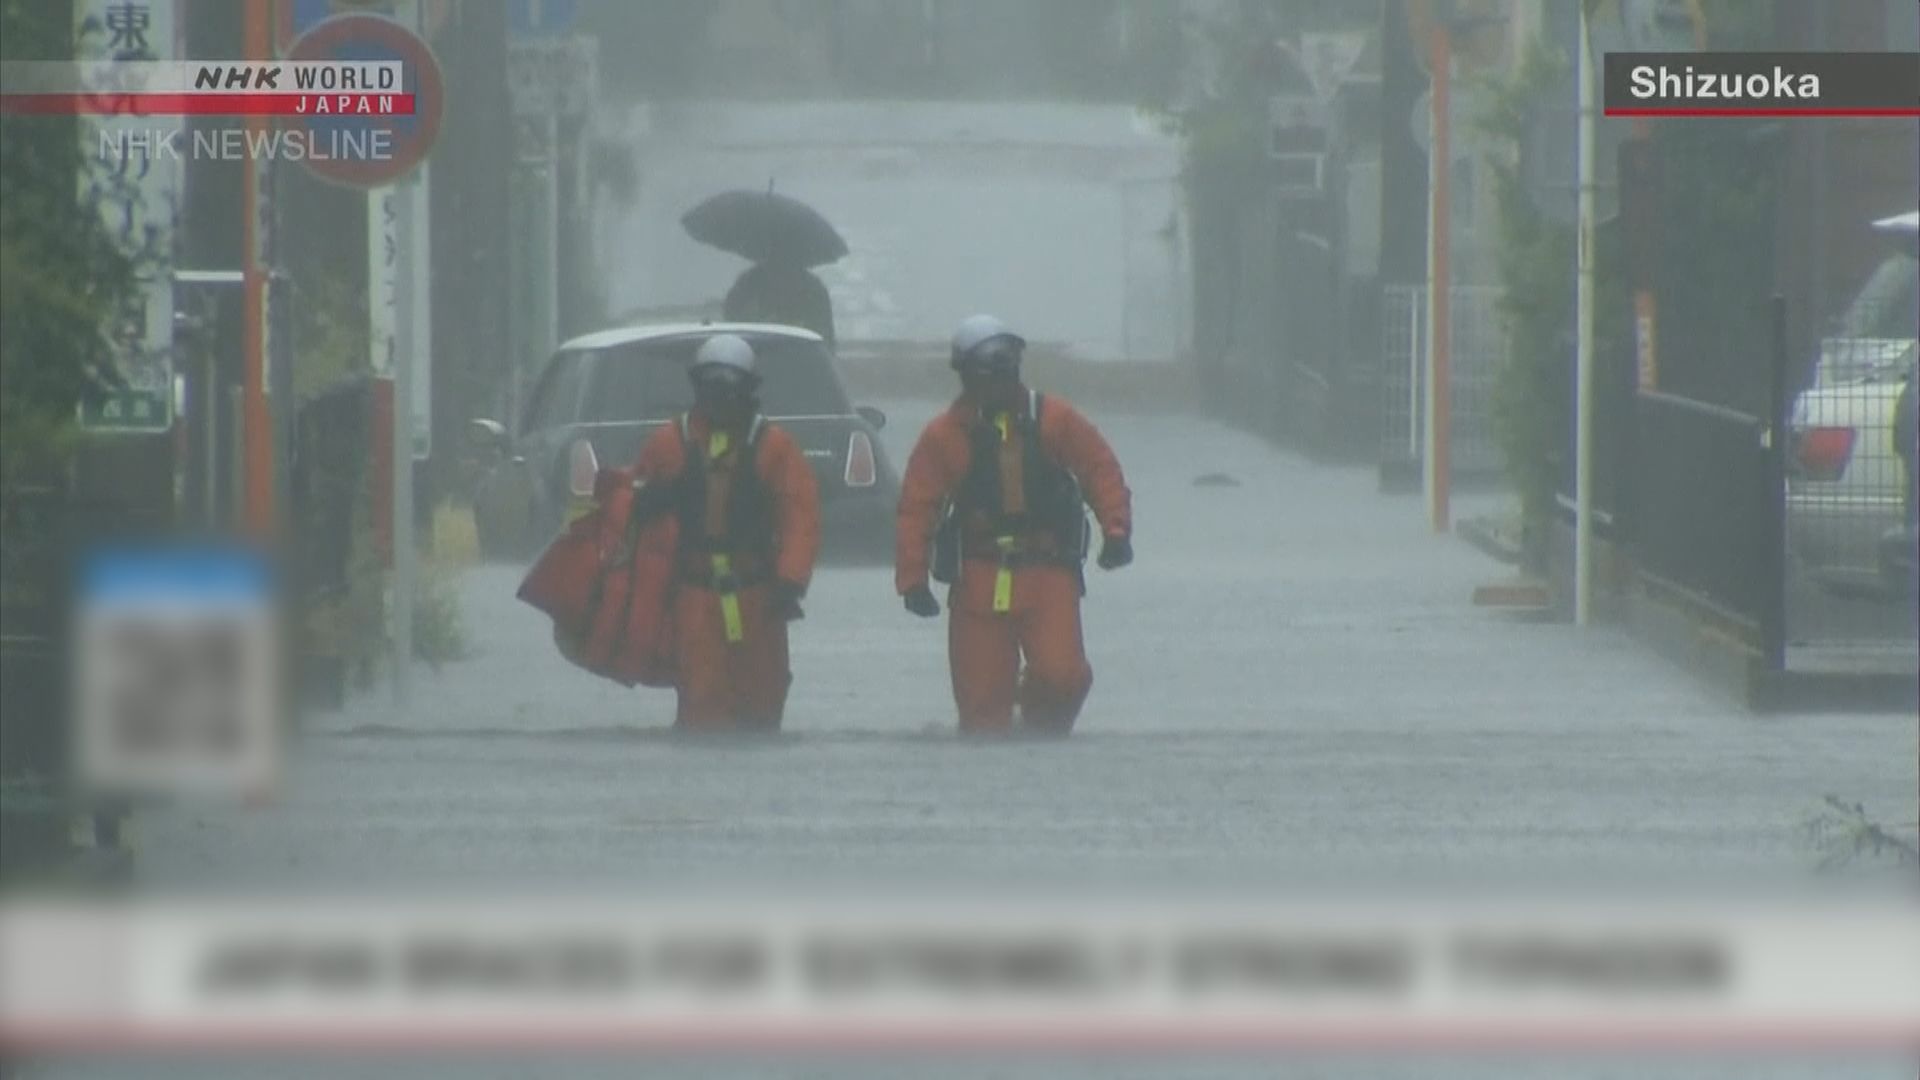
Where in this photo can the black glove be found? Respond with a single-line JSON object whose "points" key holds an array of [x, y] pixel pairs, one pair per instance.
{"points": [[920, 601], [1116, 552], [786, 600]]}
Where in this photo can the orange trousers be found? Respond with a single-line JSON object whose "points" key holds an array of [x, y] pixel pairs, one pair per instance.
{"points": [[987, 650], [730, 686]]}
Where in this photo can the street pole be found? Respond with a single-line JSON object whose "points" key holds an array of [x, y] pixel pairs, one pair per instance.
{"points": [[278, 352], [1439, 405], [402, 456], [1645, 305], [256, 495], [1583, 355], [406, 344], [550, 227]]}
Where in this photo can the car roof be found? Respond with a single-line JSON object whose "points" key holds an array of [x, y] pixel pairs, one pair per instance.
{"points": [[629, 335], [1907, 223]]}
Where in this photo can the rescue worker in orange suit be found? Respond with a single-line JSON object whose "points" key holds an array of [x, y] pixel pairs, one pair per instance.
{"points": [[1005, 474], [749, 532]]}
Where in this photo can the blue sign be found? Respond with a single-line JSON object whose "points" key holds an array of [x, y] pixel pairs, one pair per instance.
{"points": [[176, 573], [177, 676], [377, 148], [540, 18]]}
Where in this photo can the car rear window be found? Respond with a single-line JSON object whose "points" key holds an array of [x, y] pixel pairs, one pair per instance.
{"points": [[1888, 305], [648, 380], [558, 394]]}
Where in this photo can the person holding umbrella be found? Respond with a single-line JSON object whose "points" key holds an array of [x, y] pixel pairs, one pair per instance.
{"points": [[784, 238], [781, 292]]}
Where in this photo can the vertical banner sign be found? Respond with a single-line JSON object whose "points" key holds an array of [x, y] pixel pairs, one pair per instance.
{"points": [[1640, 214], [420, 297], [134, 181], [384, 296], [383, 279]]}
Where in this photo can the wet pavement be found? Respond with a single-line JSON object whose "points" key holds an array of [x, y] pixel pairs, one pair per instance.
{"points": [[1292, 691], [1291, 685]]}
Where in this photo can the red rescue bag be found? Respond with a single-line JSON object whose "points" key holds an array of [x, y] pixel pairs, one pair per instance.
{"points": [[607, 583]]}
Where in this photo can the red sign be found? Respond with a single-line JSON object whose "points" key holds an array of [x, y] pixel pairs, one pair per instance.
{"points": [[372, 150]]}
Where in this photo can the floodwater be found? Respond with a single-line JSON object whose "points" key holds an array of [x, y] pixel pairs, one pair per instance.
{"points": [[1293, 692]]}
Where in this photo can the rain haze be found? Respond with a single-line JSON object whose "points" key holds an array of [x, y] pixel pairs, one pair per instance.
{"points": [[1078, 538]]}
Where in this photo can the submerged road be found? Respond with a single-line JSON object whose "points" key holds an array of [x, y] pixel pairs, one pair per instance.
{"points": [[1292, 691], [1291, 684]]}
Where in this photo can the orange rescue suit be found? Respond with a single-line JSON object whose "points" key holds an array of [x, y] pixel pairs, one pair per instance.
{"points": [[739, 534], [1004, 609]]}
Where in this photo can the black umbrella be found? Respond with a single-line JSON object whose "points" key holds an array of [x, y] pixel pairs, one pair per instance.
{"points": [[763, 226]]}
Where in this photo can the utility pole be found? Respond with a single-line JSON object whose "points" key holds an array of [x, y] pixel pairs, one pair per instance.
{"points": [[1583, 354], [410, 206], [550, 235], [256, 435], [1439, 403], [402, 456]]}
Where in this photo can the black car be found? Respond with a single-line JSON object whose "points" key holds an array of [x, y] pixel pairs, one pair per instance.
{"points": [[614, 387]]}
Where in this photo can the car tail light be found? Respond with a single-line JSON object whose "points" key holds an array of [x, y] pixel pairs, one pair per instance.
{"points": [[1823, 452], [861, 470], [582, 466]]}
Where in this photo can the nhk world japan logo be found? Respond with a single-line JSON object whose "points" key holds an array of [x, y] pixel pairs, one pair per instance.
{"points": [[345, 88]]}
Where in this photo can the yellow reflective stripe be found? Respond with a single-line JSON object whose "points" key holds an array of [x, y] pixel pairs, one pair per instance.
{"points": [[1004, 422], [729, 601], [717, 444], [1003, 580], [580, 506], [730, 614]]}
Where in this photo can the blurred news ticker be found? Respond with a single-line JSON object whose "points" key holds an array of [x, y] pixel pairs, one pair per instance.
{"points": [[461, 972]]}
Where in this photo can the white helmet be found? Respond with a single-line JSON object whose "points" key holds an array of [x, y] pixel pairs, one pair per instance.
{"points": [[976, 330], [727, 351]]}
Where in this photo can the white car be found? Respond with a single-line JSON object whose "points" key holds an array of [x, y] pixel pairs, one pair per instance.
{"points": [[1845, 482]]}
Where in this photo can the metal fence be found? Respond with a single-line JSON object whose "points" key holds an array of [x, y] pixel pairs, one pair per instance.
{"points": [[1705, 519], [1803, 546], [1475, 354], [1850, 499]]}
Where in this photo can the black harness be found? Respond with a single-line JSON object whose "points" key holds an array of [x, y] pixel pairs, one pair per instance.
{"points": [[750, 519], [1055, 507]]}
